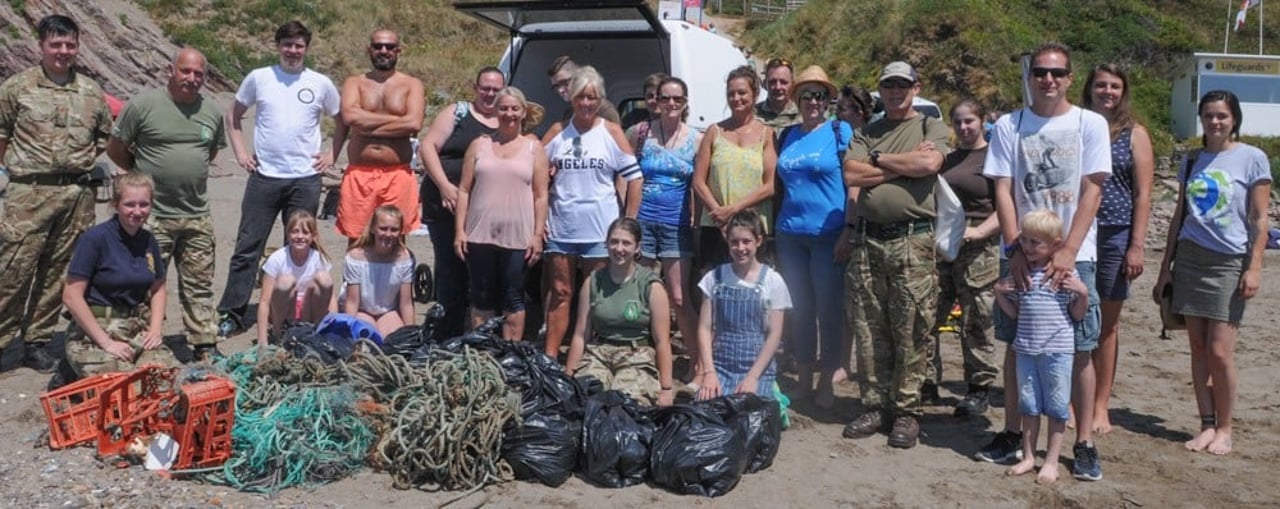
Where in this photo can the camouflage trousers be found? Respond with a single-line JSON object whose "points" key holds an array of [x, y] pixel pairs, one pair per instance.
{"points": [[891, 288], [87, 358], [187, 243], [970, 281], [632, 370], [38, 229]]}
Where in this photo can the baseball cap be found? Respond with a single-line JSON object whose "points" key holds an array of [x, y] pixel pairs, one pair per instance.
{"points": [[899, 70]]}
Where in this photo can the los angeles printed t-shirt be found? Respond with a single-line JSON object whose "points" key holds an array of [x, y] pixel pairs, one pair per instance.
{"points": [[583, 199], [1047, 158]]}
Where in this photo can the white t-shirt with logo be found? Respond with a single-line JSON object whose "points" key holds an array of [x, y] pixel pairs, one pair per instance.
{"points": [[583, 199], [281, 263], [286, 126], [1047, 158]]}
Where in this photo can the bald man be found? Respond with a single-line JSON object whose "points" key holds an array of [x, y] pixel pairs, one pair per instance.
{"points": [[383, 109], [172, 134]]}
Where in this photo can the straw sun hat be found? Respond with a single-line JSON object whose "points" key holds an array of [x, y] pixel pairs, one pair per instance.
{"points": [[811, 75]]}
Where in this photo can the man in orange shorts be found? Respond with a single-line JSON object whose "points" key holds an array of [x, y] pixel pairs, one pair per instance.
{"points": [[384, 109]]}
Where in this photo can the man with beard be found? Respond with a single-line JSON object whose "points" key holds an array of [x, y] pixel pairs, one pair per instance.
{"points": [[286, 160], [54, 123], [442, 150], [383, 109], [172, 134]]}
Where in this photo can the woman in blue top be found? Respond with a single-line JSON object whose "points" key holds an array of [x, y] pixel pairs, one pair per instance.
{"points": [[667, 146], [809, 223], [1219, 230], [1122, 220]]}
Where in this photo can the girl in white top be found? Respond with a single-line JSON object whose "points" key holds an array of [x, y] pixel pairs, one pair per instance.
{"points": [[296, 284], [379, 274]]}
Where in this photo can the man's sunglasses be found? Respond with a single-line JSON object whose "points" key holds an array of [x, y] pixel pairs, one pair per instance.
{"points": [[1057, 72], [384, 46]]}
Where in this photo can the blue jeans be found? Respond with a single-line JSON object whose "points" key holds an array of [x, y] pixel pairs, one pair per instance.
{"points": [[1044, 384], [1087, 330], [265, 198], [816, 284]]}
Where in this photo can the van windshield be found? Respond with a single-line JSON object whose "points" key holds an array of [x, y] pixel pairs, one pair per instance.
{"points": [[535, 18]]}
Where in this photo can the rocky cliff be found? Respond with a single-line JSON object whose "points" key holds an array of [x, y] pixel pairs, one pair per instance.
{"points": [[119, 44]]}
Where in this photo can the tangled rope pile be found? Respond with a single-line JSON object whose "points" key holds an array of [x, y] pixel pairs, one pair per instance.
{"points": [[433, 425], [445, 432]]}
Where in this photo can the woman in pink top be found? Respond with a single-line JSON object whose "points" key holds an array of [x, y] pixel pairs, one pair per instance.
{"points": [[502, 211]]}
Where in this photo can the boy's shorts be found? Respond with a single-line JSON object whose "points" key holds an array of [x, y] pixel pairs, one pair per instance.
{"points": [[1044, 384], [1087, 330]]}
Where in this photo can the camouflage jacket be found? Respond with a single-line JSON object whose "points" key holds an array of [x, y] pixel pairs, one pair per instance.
{"points": [[50, 128]]}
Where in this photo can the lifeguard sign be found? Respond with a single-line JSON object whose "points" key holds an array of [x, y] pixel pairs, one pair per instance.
{"points": [[1255, 79]]}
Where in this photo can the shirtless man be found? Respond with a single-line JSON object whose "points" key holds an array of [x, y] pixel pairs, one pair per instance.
{"points": [[384, 109]]}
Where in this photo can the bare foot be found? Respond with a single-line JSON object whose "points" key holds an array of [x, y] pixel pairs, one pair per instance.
{"points": [[1048, 473], [839, 376], [1221, 444], [1101, 423], [1201, 441], [1022, 467]]}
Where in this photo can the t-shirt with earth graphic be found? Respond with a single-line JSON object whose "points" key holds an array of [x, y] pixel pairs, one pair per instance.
{"points": [[1218, 197]]}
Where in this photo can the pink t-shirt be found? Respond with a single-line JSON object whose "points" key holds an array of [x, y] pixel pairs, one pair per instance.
{"points": [[500, 211]]}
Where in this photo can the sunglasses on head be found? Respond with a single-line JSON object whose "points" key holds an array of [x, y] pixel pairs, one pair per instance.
{"points": [[1057, 72], [678, 99], [778, 62], [812, 95], [384, 45]]}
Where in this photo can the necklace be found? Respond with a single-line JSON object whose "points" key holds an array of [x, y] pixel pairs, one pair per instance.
{"points": [[665, 141]]}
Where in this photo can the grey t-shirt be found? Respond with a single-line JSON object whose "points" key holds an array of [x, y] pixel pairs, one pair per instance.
{"points": [[1218, 197]]}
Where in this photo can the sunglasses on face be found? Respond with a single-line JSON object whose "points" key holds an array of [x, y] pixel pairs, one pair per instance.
{"points": [[384, 46], [812, 95], [677, 99], [892, 84], [1057, 72]]}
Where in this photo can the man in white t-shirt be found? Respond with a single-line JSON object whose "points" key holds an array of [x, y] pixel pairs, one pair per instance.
{"points": [[286, 160], [1051, 155]]}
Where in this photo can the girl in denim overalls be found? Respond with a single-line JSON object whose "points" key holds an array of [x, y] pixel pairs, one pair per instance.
{"points": [[742, 310]]}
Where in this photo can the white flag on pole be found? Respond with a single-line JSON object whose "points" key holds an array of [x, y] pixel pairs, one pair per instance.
{"points": [[1245, 5]]}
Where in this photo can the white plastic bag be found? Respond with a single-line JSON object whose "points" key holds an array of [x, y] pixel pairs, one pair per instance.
{"points": [[949, 223]]}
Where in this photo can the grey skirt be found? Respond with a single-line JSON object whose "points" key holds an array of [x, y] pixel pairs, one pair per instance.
{"points": [[1207, 283]]}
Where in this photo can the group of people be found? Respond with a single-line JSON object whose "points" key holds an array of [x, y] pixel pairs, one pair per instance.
{"points": [[807, 225]]}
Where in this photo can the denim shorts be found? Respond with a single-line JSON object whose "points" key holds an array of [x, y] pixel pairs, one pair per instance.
{"points": [[665, 241], [1087, 330], [1113, 244], [580, 249], [1044, 384]]}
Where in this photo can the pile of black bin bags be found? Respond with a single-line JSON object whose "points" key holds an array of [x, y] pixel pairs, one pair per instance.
{"points": [[570, 425]]}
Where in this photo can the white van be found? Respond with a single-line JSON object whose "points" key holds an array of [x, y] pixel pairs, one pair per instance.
{"points": [[918, 103], [623, 39]]}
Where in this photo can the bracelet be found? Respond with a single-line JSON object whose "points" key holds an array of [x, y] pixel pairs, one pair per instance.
{"points": [[665, 388]]}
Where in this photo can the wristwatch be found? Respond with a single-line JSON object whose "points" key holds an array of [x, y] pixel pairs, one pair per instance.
{"points": [[875, 158], [1011, 248]]}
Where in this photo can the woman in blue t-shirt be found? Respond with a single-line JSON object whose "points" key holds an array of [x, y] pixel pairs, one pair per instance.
{"points": [[809, 223], [1214, 248], [667, 148], [115, 289]]}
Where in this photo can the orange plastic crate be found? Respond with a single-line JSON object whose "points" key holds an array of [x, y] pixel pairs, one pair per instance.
{"points": [[142, 404], [73, 410], [203, 423]]}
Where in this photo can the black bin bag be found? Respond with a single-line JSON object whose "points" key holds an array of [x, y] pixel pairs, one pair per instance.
{"points": [[543, 448], [615, 441], [757, 420], [694, 452]]}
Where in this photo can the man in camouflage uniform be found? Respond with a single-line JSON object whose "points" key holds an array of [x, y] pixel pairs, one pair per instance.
{"points": [[778, 110], [173, 134], [892, 280], [54, 123]]}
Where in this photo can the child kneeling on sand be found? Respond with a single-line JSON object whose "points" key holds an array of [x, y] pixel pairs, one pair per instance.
{"points": [[1045, 341]]}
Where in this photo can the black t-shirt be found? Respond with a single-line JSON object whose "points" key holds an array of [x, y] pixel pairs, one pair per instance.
{"points": [[120, 268], [451, 156], [963, 170]]}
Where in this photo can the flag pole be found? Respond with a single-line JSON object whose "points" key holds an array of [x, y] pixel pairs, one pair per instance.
{"points": [[1226, 37], [1261, 9]]}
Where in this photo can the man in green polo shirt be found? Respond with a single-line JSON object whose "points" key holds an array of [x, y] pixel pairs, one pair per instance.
{"points": [[54, 123], [173, 134], [892, 280]]}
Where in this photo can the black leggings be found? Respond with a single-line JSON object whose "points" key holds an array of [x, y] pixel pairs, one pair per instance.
{"points": [[497, 277]]}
